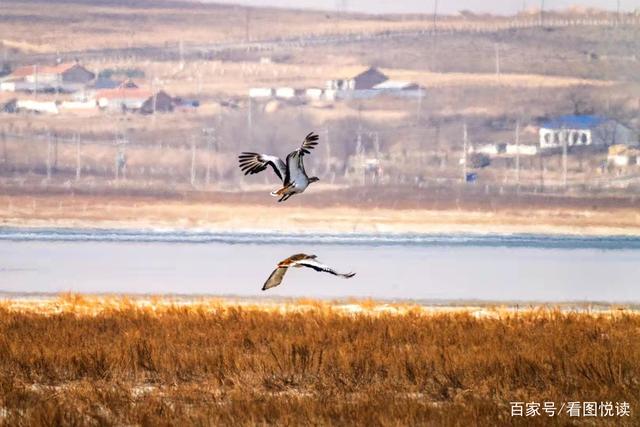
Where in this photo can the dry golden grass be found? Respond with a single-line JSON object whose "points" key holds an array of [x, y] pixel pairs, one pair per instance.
{"points": [[434, 80], [110, 361], [81, 25], [235, 78]]}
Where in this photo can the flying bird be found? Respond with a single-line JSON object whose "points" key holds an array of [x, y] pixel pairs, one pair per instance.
{"points": [[292, 174], [299, 260]]}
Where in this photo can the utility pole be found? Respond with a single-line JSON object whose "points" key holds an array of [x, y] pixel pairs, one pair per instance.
{"points": [[497, 48], [376, 143], [155, 97], [565, 136], [360, 155], [55, 153], [541, 172], [49, 149], [247, 25], [327, 168], [518, 155], [210, 134], [249, 121], [181, 47], [193, 162], [121, 156], [434, 33], [78, 164], [199, 74], [35, 81], [419, 108], [4, 147], [541, 17], [464, 152], [435, 17]]}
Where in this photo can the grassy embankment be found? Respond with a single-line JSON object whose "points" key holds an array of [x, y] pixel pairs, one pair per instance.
{"points": [[123, 362]]}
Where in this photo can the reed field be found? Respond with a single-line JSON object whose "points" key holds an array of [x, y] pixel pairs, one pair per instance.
{"points": [[116, 361]]}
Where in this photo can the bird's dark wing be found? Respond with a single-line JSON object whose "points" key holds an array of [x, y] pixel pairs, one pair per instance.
{"points": [[309, 143], [318, 266], [275, 278], [252, 163]]}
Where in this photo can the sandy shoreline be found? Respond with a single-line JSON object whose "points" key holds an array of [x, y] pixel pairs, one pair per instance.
{"points": [[93, 304], [420, 222], [84, 213]]}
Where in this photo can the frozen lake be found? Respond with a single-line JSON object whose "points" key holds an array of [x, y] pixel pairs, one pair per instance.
{"points": [[425, 267]]}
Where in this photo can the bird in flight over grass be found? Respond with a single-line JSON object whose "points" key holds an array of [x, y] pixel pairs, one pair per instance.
{"points": [[299, 260], [292, 174]]}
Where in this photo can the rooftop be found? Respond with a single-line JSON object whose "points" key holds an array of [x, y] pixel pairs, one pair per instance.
{"points": [[573, 121]]}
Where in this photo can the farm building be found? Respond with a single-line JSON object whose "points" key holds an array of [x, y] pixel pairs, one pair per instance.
{"points": [[261, 92], [48, 107], [363, 81], [490, 149], [122, 98], [582, 130], [101, 83], [366, 84], [400, 88], [108, 83], [522, 149], [285, 92], [69, 78], [372, 82], [160, 102]]}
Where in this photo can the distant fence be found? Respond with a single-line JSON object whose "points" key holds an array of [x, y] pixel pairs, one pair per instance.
{"points": [[73, 158], [50, 159], [176, 51]]}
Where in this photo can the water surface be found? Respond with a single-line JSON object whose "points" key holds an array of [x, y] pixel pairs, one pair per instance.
{"points": [[395, 266]]}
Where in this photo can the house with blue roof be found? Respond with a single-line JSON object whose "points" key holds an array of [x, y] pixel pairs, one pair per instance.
{"points": [[583, 130]]}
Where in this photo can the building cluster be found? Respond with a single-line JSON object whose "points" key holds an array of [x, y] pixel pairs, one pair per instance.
{"points": [[79, 89], [574, 132], [367, 84]]}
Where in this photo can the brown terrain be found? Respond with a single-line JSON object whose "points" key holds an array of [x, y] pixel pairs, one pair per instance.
{"points": [[181, 167], [112, 361], [330, 211]]}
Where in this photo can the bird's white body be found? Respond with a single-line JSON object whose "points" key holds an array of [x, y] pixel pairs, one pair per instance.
{"points": [[294, 178]]}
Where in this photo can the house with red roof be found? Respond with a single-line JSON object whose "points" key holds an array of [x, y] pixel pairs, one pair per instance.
{"points": [[67, 78], [122, 98]]}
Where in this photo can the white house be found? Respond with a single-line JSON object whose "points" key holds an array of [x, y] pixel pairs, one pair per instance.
{"points": [[582, 130], [314, 93], [261, 92], [285, 92], [122, 98], [522, 149], [489, 149], [49, 107], [364, 81]]}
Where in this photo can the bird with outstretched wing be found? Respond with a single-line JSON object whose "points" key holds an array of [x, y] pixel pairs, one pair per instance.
{"points": [[291, 172], [297, 261]]}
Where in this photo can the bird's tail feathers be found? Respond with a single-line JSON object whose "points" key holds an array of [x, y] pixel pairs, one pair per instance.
{"points": [[282, 191]]}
